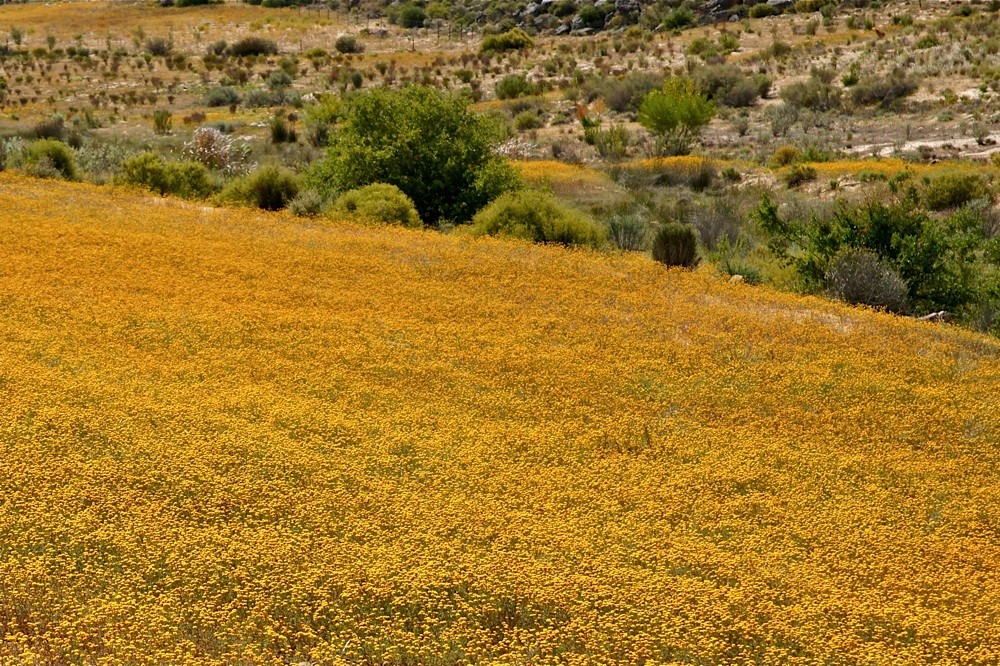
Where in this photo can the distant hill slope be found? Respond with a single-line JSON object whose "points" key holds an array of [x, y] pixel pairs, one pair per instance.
{"points": [[231, 437]]}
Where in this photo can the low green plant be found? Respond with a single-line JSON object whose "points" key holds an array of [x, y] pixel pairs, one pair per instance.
{"points": [[540, 217], [270, 187], [382, 203], [676, 245], [951, 190], [514, 39], [162, 121], [150, 170], [51, 158]]}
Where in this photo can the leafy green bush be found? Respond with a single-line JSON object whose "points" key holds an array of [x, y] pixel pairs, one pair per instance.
{"points": [[679, 18], [270, 187], [514, 39], [222, 96], [860, 278], [150, 170], [676, 115], [51, 158], [951, 190], [380, 202], [348, 44], [513, 86], [253, 46], [676, 245], [540, 217], [411, 16], [426, 143]]}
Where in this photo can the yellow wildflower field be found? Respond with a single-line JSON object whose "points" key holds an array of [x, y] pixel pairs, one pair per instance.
{"points": [[231, 437]]}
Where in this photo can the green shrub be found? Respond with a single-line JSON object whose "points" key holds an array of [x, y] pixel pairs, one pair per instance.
{"points": [[934, 257], [679, 18], [540, 217], [258, 98], [184, 179], [729, 85], [860, 278], [784, 156], [799, 174], [676, 115], [380, 202], [307, 203], [282, 131], [162, 121], [612, 143], [411, 16], [951, 190], [50, 128], [253, 46], [528, 120], [221, 96], [813, 93], [676, 245], [763, 10], [883, 90], [426, 143], [627, 93], [514, 39], [348, 44], [629, 232], [51, 158], [513, 86], [270, 187], [591, 17]]}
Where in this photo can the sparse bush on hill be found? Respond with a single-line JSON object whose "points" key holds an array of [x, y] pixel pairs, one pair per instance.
{"points": [[222, 96], [883, 90], [426, 143], [252, 46], [348, 44], [513, 86], [380, 202], [540, 217], [727, 84], [816, 93], [50, 128]]}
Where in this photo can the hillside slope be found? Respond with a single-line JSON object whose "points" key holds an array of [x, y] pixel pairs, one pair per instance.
{"points": [[238, 438]]}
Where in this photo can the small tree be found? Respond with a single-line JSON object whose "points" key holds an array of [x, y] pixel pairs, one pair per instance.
{"points": [[426, 143], [676, 115]]}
